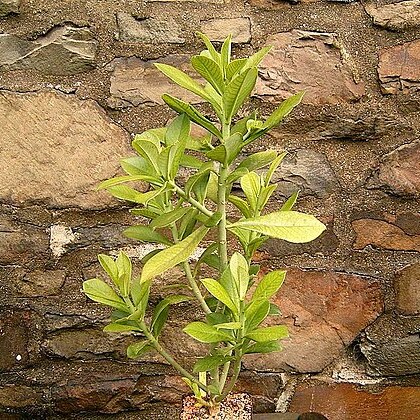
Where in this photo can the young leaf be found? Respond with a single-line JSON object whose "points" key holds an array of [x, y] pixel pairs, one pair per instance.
{"points": [[208, 363], [166, 219], [251, 186], [239, 270], [236, 174], [178, 130], [290, 226], [220, 293], [258, 160], [140, 295], [183, 107], [172, 256], [228, 326], [264, 347], [274, 165], [148, 150], [205, 333], [234, 67], [137, 165], [255, 313], [240, 126], [237, 91], [290, 202], [256, 59], [241, 205], [116, 328], [269, 285], [146, 234], [285, 108], [127, 178], [124, 267], [225, 53], [263, 334], [212, 51], [210, 70], [109, 265], [123, 192], [138, 349], [99, 291], [228, 151]]}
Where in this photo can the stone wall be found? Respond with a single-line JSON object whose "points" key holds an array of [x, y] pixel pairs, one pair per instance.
{"points": [[77, 80]]}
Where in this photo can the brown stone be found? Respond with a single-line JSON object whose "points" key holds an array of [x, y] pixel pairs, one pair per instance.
{"points": [[40, 283], [311, 61], [396, 16], [136, 82], [18, 396], [148, 30], [9, 6], [348, 402], [399, 171], [399, 68], [219, 29], [381, 234], [57, 149], [65, 50], [409, 223], [324, 312], [21, 243], [407, 290]]}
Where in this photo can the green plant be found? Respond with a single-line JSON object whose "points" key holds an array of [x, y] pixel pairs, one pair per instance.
{"points": [[232, 312]]}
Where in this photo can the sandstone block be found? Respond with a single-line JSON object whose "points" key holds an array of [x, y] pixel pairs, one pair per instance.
{"points": [[341, 401], [311, 61], [399, 171], [9, 6], [40, 283], [57, 149], [396, 16], [381, 234], [399, 68], [64, 50], [407, 289], [219, 29], [148, 30], [324, 312], [136, 82]]}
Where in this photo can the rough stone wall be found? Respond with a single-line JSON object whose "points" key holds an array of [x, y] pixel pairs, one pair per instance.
{"points": [[77, 80]]}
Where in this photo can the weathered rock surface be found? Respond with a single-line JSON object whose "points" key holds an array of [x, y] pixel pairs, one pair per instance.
{"points": [[219, 29], [311, 61], [136, 82], [324, 312], [391, 346], [307, 171], [381, 234], [9, 6], [399, 68], [64, 50], [57, 149], [355, 402], [19, 396], [40, 283], [399, 171], [396, 16], [407, 290], [148, 30]]}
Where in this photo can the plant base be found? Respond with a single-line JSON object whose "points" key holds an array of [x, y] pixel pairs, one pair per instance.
{"points": [[233, 407]]}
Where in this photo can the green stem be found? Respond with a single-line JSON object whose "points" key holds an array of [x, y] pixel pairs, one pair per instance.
{"points": [[191, 200], [234, 378], [195, 288]]}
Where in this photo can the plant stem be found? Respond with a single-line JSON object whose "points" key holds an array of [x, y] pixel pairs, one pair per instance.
{"points": [[168, 357], [195, 288], [191, 200], [234, 378]]}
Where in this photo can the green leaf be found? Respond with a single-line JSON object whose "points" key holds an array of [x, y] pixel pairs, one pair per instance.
{"points": [[285, 108], [99, 291], [178, 130], [160, 313], [109, 265], [274, 310], [172, 256], [237, 91], [225, 53], [255, 313], [214, 318], [123, 192], [220, 293], [227, 282], [236, 174], [251, 186], [208, 363], [166, 219], [290, 202], [127, 178], [124, 267], [146, 234], [263, 334], [205, 333], [234, 67], [239, 270], [137, 165], [183, 107], [204, 169], [264, 347], [256, 58], [228, 151], [190, 162], [240, 204], [265, 195], [140, 295], [228, 326], [210, 70], [204, 257], [116, 328], [182, 79], [138, 349], [269, 285], [258, 160], [290, 226], [148, 150], [240, 126], [212, 51], [274, 165]]}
